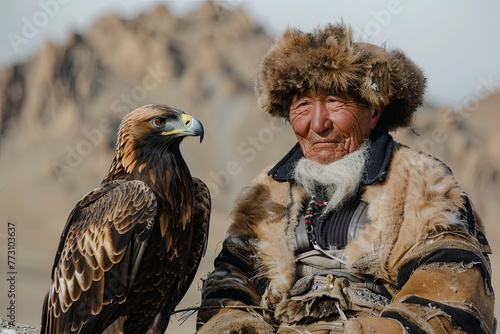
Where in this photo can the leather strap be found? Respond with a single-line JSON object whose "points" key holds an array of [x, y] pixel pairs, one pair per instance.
{"points": [[358, 222], [303, 244]]}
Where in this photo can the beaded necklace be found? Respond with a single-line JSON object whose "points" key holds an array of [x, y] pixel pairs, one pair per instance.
{"points": [[315, 209]]}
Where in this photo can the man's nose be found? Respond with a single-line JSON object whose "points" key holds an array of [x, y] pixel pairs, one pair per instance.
{"points": [[320, 120]]}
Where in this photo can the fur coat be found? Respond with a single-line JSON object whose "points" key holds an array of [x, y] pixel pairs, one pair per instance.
{"points": [[424, 246]]}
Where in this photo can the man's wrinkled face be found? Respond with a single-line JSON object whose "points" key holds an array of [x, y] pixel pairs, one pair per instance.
{"points": [[328, 126]]}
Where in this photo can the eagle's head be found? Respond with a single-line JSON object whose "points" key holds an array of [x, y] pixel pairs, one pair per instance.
{"points": [[148, 133], [157, 124]]}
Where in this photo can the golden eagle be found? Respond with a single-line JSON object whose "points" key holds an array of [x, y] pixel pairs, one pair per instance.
{"points": [[131, 247]]}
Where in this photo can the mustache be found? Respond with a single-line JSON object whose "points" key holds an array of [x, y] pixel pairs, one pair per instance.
{"points": [[336, 138]]}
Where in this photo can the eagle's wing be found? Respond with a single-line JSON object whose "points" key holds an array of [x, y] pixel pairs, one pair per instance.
{"points": [[200, 233], [98, 256], [198, 248]]}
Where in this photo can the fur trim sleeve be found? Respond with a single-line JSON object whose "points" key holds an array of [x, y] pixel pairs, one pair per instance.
{"points": [[426, 242], [257, 265], [268, 210], [232, 286]]}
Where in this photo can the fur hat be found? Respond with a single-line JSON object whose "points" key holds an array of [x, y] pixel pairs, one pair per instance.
{"points": [[328, 60]]}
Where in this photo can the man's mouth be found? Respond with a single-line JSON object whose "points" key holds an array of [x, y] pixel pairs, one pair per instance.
{"points": [[326, 142]]}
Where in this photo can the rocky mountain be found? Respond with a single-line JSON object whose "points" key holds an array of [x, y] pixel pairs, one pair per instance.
{"points": [[60, 112]]}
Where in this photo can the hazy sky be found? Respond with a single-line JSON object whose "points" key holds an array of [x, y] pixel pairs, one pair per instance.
{"points": [[457, 42]]}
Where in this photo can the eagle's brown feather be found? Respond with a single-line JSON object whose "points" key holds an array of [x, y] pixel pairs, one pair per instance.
{"points": [[131, 247]]}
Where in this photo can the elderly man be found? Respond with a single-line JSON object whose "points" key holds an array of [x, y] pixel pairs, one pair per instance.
{"points": [[350, 231]]}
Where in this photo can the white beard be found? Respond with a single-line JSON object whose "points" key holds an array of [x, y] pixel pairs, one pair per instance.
{"points": [[340, 179]]}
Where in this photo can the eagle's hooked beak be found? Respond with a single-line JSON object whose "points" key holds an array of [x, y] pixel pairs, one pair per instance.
{"points": [[192, 127]]}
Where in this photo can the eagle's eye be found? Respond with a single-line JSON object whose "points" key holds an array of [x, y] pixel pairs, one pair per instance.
{"points": [[159, 122]]}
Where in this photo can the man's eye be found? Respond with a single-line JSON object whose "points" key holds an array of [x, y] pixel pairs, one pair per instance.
{"points": [[159, 122], [301, 104]]}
